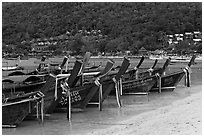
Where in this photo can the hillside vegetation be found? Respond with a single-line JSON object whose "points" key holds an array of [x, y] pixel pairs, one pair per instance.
{"points": [[133, 24]]}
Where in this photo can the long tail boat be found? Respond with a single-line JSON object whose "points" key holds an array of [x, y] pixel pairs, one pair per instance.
{"points": [[84, 90], [79, 97], [96, 93], [52, 89], [170, 81], [40, 70], [107, 84], [21, 83], [133, 83], [17, 85], [14, 110], [35, 72], [135, 73]]}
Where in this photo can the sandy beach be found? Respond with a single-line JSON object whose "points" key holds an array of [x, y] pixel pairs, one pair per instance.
{"points": [[183, 117]]}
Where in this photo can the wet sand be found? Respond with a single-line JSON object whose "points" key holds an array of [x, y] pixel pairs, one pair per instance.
{"points": [[177, 112], [182, 117]]}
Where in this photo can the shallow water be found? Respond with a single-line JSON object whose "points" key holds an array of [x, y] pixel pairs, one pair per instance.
{"points": [[92, 119]]}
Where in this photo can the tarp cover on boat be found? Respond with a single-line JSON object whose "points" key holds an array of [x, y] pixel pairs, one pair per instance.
{"points": [[16, 73], [22, 78], [32, 79], [8, 81]]}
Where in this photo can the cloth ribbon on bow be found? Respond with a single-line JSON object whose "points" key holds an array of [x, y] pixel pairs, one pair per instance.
{"points": [[100, 92], [187, 71], [150, 71], [66, 89], [118, 88], [36, 97], [158, 81]]}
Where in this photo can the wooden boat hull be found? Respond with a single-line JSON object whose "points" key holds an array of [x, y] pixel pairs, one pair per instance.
{"points": [[20, 89], [15, 109], [83, 95], [169, 82], [139, 86], [53, 95], [89, 93], [18, 85], [107, 87], [131, 75], [80, 96], [48, 90], [13, 115], [110, 82], [140, 83]]}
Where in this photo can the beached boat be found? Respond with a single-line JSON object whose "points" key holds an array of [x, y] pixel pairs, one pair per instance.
{"points": [[14, 110], [141, 83], [17, 73], [85, 68], [81, 95], [51, 96], [21, 84], [179, 59], [52, 88], [107, 84], [170, 81], [95, 92], [11, 68]]}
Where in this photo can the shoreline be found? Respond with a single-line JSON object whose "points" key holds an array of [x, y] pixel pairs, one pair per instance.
{"points": [[182, 117], [170, 113]]}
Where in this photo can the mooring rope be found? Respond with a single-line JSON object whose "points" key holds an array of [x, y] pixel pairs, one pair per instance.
{"points": [[66, 89], [40, 95]]}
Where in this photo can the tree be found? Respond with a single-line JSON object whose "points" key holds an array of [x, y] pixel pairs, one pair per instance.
{"points": [[77, 45], [132, 21], [182, 47]]}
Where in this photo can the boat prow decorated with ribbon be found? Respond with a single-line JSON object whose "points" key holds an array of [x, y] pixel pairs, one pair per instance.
{"points": [[170, 81], [15, 110], [79, 97]]}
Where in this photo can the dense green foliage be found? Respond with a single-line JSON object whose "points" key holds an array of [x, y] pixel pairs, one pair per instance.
{"points": [[129, 26]]}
